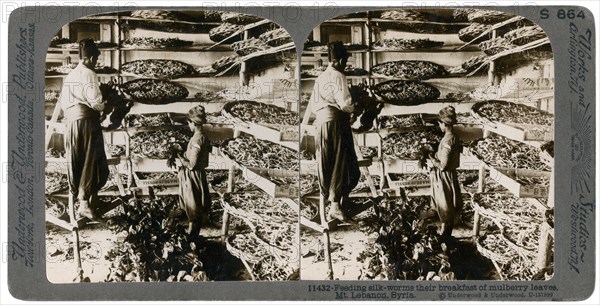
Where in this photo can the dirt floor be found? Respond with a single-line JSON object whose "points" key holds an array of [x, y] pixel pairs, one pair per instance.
{"points": [[349, 241], [96, 239]]}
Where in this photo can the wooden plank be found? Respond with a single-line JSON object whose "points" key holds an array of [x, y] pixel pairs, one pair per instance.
{"points": [[507, 178], [397, 183], [519, 49], [59, 222], [287, 137], [521, 132], [492, 28], [259, 177], [238, 32]]}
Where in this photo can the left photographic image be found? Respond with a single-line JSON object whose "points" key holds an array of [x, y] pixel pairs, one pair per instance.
{"points": [[171, 149]]}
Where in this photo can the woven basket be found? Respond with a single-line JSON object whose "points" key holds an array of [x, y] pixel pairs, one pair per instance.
{"points": [[160, 20], [495, 46], [280, 254], [252, 217], [404, 15], [508, 64], [155, 43], [239, 18], [156, 144], [247, 47], [223, 31], [232, 247], [420, 22], [472, 31], [524, 252], [158, 68], [501, 219], [264, 114], [473, 62], [401, 44], [212, 16], [525, 35], [488, 16], [409, 69], [402, 93], [161, 15], [504, 108], [276, 37], [155, 91], [501, 258], [422, 28], [462, 14], [225, 62]]}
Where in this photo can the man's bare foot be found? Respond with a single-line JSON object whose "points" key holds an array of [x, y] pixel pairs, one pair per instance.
{"points": [[335, 212], [86, 211]]}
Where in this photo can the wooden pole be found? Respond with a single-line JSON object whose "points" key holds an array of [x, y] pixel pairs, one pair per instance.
{"points": [[244, 78], [480, 189], [230, 189], [544, 247], [492, 69], [326, 242], [75, 230]]}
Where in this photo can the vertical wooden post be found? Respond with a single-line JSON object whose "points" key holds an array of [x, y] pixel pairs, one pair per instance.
{"points": [[230, 189], [75, 231], [480, 189], [544, 248], [317, 36], [117, 31], [492, 69], [244, 77], [326, 242], [368, 42]]}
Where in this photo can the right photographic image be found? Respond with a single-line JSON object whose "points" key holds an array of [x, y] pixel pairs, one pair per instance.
{"points": [[430, 133]]}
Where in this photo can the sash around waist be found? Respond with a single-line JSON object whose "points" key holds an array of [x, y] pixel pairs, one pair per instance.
{"points": [[329, 114], [80, 111]]}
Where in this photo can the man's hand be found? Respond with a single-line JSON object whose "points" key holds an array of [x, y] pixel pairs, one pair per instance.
{"points": [[353, 118], [430, 163]]}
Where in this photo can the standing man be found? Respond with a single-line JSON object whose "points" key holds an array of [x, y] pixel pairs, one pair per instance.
{"points": [[445, 188], [336, 157], [82, 103]]}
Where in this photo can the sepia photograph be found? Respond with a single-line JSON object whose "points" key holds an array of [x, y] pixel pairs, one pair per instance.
{"points": [[407, 144], [431, 134], [171, 149]]}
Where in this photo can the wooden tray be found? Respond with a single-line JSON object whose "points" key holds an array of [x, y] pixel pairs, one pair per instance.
{"points": [[259, 177], [394, 182], [507, 178], [270, 132], [518, 132], [155, 182]]}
